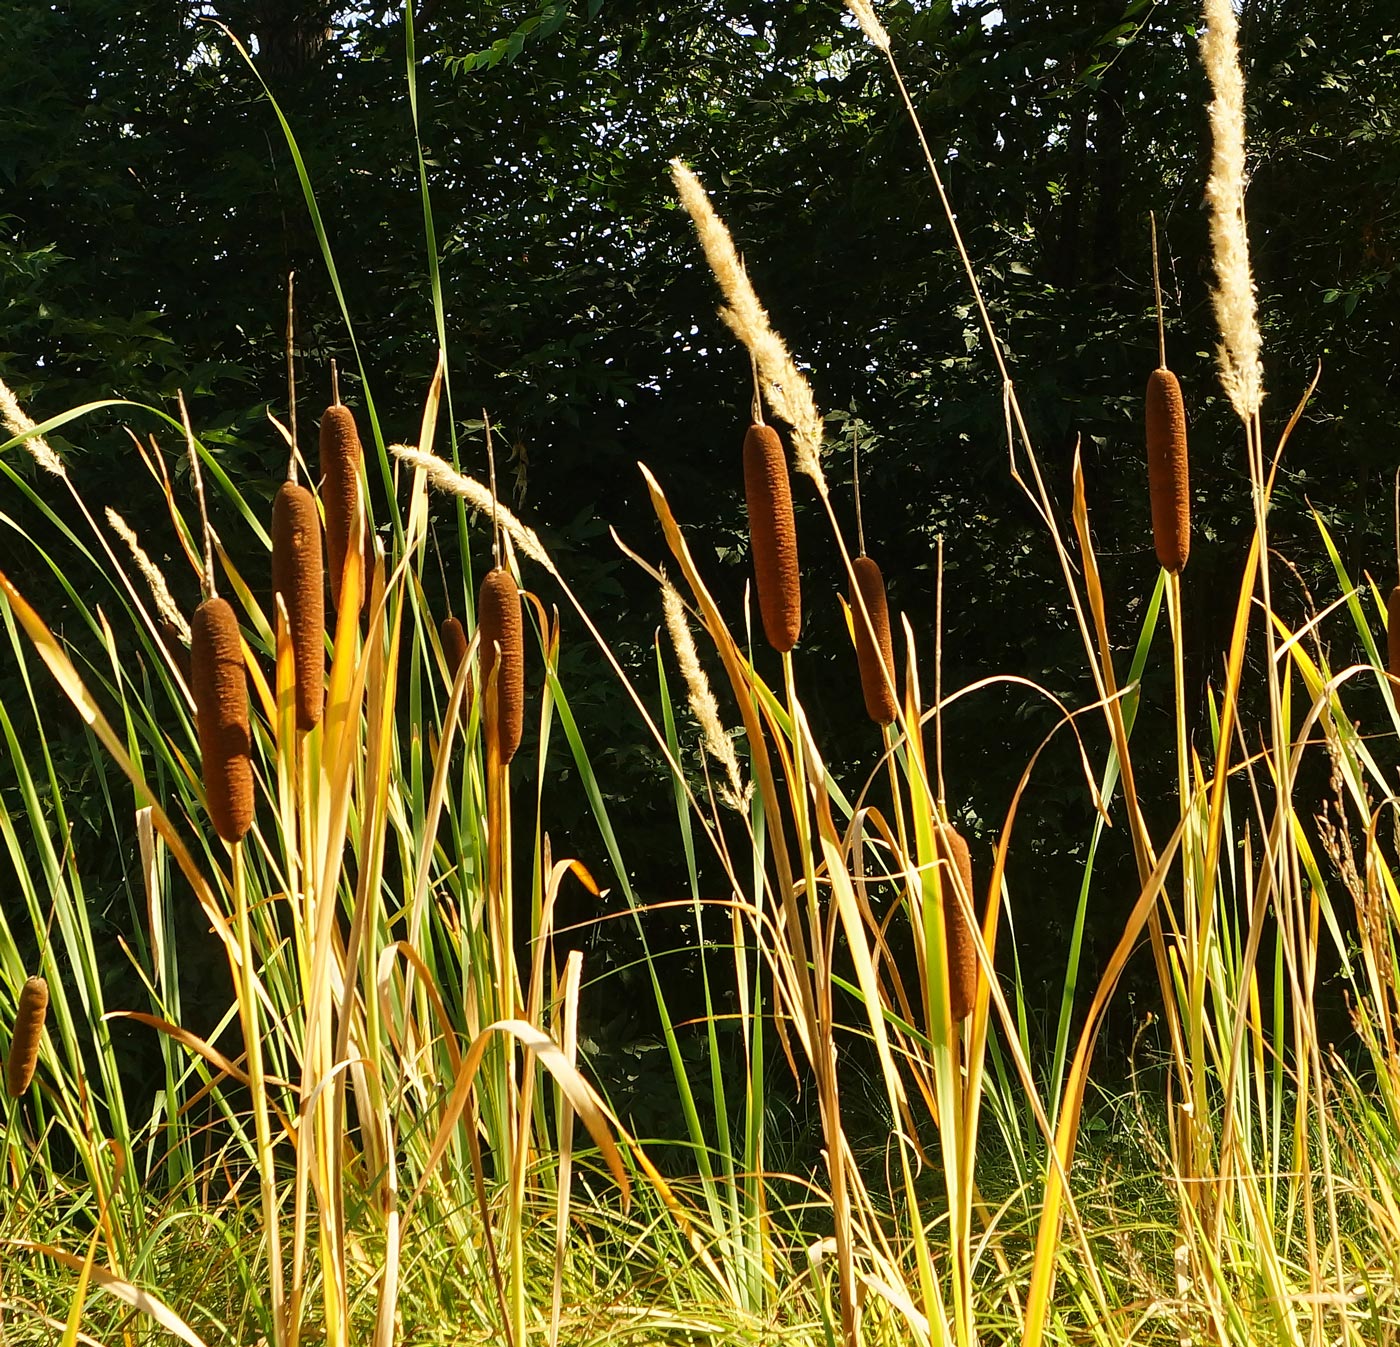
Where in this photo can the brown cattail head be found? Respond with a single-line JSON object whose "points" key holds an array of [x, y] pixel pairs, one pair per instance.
{"points": [[1168, 479], [874, 648], [174, 647], [773, 537], [962, 953], [1392, 632], [220, 687], [499, 622], [340, 490], [24, 1042], [454, 644], [298, 577]]}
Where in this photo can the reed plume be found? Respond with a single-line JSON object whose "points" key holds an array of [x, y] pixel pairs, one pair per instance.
{"points": [[784, 385], [170, 615], [446, 478], [1241, 372], [702, 701], [873, 29], [18, 423]]}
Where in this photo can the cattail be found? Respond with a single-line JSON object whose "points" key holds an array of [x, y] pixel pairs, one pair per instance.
{"points": [[498, 619], [773, 537], [220, 687], [24, 1043], [340, 490], [962, 954], [454, 644], [874, 648], [1392, 632], [1167, 475], [297, 577], [174, 646]]}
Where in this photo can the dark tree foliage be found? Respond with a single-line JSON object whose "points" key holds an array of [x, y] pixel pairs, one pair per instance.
{"points": [[151, 213]]}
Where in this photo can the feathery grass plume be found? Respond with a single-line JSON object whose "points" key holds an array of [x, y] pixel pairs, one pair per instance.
{"points": [[962, 953], [784, 385], [873, 29], [773, 537], [454, 643], [340, 490], [1392, 632], [23, 1056], [702, 701], [160, 591], [874, 644], [1241, 372], [1168, 475], [17, 423], [220, 686], [446, 478], [298, 576], [502, 636]]}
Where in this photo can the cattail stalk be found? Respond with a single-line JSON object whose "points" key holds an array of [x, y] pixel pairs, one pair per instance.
{"points": [[962, 953], [454, 644], [297, 575], [502, 649], [874, 645], [1168, 476], [1392, 634], [23, 1057], [773, 537], [220, 687], [702, 700], [340, 491]]}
